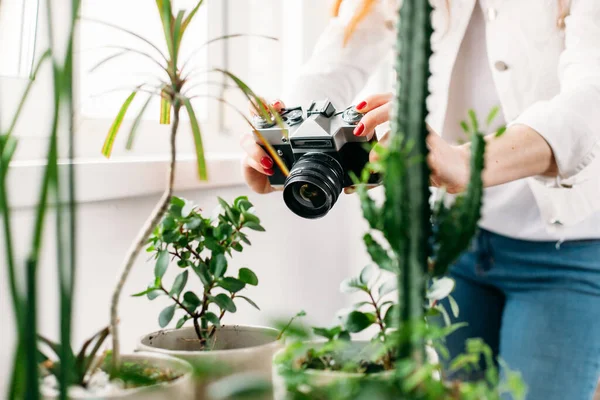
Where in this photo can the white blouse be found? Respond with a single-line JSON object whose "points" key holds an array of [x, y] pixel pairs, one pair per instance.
{"points": [[540, 75]]}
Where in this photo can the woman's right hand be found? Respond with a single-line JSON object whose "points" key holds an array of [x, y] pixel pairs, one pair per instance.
{"points": [[257, 165]]}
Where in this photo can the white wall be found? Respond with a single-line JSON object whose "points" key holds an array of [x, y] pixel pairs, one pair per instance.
{"points": [[299, 264]]}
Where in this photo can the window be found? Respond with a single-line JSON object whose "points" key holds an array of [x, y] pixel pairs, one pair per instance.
{"points": [[102, 90], [18, 22]]}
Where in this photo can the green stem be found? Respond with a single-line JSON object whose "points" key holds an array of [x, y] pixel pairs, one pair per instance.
{"points": [[414, 33], [140, 241]]}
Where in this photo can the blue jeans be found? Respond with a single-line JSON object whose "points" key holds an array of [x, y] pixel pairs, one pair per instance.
{"points": [[537, 304]]}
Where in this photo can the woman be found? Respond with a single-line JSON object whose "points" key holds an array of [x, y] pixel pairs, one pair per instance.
{"points": [[531, 285]]}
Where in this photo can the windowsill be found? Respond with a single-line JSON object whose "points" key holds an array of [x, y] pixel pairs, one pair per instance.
{"points": [[100, 180]]}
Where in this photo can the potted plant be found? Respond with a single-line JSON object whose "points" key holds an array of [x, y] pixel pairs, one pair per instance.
{"points": [[143, 375], [201, 247], [173, 91], [403, 240], [90, 376], [313, 365]]}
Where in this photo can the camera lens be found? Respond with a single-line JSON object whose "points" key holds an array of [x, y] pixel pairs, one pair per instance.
{"points": [[313, 185]]}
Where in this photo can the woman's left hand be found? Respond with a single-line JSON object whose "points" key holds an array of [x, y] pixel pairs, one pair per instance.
{"points": [[449, 164]]}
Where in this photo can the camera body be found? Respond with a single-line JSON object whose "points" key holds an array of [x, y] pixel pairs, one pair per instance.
{"points": [[320, 150]]}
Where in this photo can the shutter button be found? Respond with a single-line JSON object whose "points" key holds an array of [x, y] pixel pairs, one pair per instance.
{"points": [[501, 66]]}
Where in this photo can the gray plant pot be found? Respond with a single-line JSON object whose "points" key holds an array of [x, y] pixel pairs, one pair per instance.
{"points": [[180, 389], [235, 349]]}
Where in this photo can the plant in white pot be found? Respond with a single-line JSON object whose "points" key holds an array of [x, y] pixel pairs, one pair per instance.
{"points": [[310, 366], [201, 248], [140, 376], [173, 83]]}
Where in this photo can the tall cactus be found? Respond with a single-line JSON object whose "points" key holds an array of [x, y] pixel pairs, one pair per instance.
{"points": [[417, 252], [408, 123]]}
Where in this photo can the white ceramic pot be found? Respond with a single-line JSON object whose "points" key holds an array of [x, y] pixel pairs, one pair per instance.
{"points": [[180, 389], [318, 378], [236, 348]]}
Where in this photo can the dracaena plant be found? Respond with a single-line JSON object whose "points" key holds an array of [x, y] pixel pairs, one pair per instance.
{"points": [[200, 246], [175, 81]]}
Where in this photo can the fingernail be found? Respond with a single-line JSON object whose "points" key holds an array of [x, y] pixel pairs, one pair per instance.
{"points": [[269, 171], [277, 104], [359, 129], [266, 162], [361, 105]]}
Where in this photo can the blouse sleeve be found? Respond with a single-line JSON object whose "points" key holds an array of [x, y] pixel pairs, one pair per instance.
{"points": [[339, 72], [570, 122]]}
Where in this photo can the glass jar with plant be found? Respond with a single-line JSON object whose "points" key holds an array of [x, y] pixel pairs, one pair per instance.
{"points": [[201, 248]]}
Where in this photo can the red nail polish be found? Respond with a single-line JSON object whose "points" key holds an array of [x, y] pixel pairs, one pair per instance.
{"points": [[266, 162], [359, 129], [361, 105], [277, 104], [269, 171]]}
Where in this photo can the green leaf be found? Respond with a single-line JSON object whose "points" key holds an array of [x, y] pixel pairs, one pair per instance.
{"points": [[252, 303], [492, 115], [194, 223], [500, 131], [454, 306], [176, 206], [179, 284], [379, 255], [391, 316], [465, 126], [148, 291], [162, 262], [474, 121], [357, 321], [166, 316], [247, 276], [367, 274], [218, 265], [202, 271], [187, 209], [114, 129], [388, 287], [249, 217], [154, 294], [136, 123], [351, 285], [444, 313], [328, 334], [200, 158], [232, 285], [440, 289], [224, 302], [254, 226], [166, 15], [191, 301], [212, 318], [190, 17], [165, 109], [182, 321]]}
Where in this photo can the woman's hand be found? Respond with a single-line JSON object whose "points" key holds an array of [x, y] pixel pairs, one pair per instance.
{"points": [[257, 165], [449, 164]]}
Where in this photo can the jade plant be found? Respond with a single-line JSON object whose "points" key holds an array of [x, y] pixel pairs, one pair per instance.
{"points": [[175, 80], [200, 246]]}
